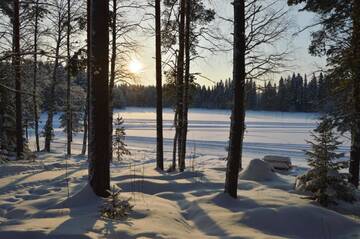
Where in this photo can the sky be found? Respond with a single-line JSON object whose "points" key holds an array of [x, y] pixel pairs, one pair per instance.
{"points": [[218, 66]]}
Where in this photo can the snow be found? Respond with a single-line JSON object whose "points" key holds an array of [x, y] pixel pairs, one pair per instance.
{"points": [[34, 201], [278, 162], [267, 133], [258, 170]]}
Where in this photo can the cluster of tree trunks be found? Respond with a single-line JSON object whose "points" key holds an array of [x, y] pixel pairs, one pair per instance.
{"points": [[182, 86]]}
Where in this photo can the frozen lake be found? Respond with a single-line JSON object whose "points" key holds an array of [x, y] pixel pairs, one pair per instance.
{"points": [[266, 132]]}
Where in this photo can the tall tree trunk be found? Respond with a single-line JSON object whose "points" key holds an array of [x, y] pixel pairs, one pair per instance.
{"points": [[238, 114], [176, 136], [88, 62], [68, 80], [355, 134], [35, 103], [85, 120], [99, 162], [17, 70], [180, 81], [112, 74], [51, 100], [185, 100], [159, 106]]}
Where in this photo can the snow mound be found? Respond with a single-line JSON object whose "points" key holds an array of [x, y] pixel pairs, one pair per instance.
{"points": [[84, 197], [278, 162], [258, 171]]}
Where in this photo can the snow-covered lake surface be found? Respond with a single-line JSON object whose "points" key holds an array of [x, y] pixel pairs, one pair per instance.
{"points": [[267, 133]]}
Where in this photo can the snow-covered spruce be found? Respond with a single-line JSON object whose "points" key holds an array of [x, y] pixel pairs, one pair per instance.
{"points": [[119, 146], [324, 181], [115, 207]]}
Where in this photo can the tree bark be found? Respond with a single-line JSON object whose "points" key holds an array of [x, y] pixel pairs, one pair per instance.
{"points": [[159, 110], [176, 136], [112, 74], [238, 114], [85, 136], [180, 81], [355, 132], [99, 162], [17, 71], [185, 96], [35, 106], [68, 80]]}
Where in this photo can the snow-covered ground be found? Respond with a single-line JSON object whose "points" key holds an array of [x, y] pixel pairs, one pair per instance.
{"points": [[34, 202]]}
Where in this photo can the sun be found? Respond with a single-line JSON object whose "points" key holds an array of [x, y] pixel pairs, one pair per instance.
{"points": [[135, 66]]}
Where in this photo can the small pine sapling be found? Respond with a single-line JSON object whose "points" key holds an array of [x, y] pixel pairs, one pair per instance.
{"points": [[114, 207], [193, 157], [3, 159], [324, 179], [119, 145]]}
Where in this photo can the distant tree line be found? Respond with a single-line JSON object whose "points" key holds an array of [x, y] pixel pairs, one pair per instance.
{"points": [[295, 93]]}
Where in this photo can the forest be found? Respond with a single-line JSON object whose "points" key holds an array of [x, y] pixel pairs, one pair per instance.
{"points": [[294, 94], [164, 119]]}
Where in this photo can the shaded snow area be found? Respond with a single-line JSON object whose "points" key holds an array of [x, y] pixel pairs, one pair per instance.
{"points": [[34, 200], [34, 203]]}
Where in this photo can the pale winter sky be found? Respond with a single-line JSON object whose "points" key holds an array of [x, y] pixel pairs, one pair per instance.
{"points": [[219, 67]]}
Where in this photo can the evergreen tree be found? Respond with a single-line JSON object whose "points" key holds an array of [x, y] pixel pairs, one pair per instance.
{"points": [[313, 94], [119, 146], [7, 113], [281, 96], [324, 179], [339, 40]]}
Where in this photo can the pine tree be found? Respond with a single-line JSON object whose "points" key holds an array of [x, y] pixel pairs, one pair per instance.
{"points": [[114, 207], [18, 80], [99, 140], [324, 179], [7, 114], [68, 80], [57, 15], [237, 127], [159, 98], [119, 145], [180, 84]]}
